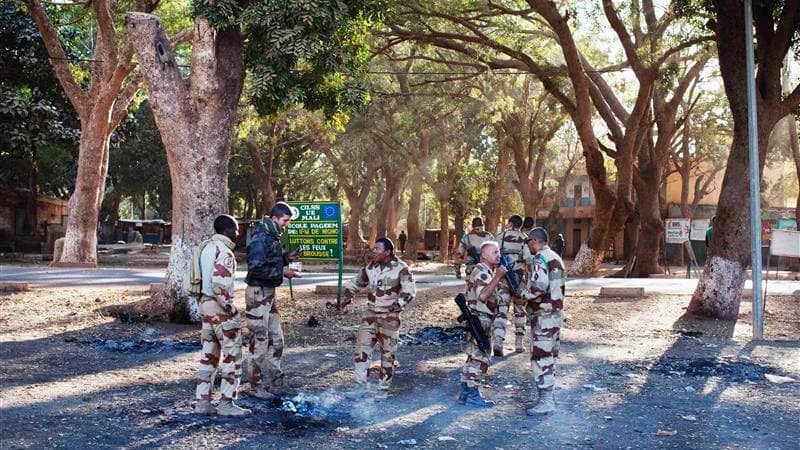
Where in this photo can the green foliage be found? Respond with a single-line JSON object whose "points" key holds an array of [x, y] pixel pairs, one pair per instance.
{"points": [[310, 52], [38, 128], [138, 161]]}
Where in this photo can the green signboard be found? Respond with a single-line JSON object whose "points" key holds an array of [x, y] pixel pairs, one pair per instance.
{"points": [[316, 229]]}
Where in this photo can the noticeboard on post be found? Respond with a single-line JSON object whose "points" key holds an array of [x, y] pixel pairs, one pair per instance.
{"points": [[677, 231], [699, 228], [316, 229]]}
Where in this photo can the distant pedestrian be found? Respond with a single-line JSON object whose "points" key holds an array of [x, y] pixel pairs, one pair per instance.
{"points": [[527, 224], [710, 231], [402, 238], [558, 245]]}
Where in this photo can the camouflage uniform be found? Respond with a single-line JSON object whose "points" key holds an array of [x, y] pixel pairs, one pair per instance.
{"points": [[544, 295], [265, 262], [266, 338], [389, 284], [477, 364], [221, 322], [512, 243], [474, 238]]}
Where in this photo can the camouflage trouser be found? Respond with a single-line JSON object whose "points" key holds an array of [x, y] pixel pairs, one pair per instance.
{"points": [[266, 336], [474, 370], [520, 316], [220, 333], [545, 334], [383, 329], [501, 319]]}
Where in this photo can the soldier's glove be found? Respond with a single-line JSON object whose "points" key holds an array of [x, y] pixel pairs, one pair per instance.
{"points": [[458, 272], [395, 307], [230, 309]]}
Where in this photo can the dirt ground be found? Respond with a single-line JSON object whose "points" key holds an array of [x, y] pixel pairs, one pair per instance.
{"points": [[631, 374]]}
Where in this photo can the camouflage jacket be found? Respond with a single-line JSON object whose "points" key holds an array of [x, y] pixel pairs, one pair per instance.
{"points": [[478, 280], [474, 238], [545, 287], [387, 283], [512, 243], [265, 256], [218, 267]]}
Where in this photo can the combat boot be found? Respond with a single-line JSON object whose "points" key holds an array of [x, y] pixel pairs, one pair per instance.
{"points": [[474, 398], [229, 409], [498, 350], [546, 404], [261, 392], [462, 397], [204, 408], [518, 347]]}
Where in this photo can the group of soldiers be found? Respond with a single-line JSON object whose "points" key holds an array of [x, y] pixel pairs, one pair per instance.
{"points": [[391, 287], [221, 332], [515, 270], [388, 279]]}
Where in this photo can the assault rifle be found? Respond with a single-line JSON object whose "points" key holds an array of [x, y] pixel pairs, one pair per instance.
{"points": [[473, 324], [511, 276]]}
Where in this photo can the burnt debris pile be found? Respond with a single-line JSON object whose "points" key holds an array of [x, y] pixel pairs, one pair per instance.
{"points": [[434, 336]]}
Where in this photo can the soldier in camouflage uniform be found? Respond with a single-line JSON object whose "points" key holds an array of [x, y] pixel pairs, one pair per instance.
{"points": [[544, 295], [482, 300], [267, 265], [474, 238], [527, 225], [391, 287], [221, 323], [512, 247]]}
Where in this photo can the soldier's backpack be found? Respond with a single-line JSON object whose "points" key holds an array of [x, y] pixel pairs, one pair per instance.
{"points": [[193, 281]]}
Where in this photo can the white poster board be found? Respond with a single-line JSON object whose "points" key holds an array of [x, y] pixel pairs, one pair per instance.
{"points": [[677, 231], [699, 227], [785, 243]]}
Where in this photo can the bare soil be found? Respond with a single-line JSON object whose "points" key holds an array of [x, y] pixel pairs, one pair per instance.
{"points": [[631, 374]]}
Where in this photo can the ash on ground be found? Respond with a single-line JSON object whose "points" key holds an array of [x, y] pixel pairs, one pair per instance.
{"points": [[434, 336]]}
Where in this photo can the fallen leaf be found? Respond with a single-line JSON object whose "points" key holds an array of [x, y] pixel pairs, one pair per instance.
{"points": [[777, 379]]}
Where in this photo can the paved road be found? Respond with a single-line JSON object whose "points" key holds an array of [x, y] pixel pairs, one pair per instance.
{"points": [[137, 276]]}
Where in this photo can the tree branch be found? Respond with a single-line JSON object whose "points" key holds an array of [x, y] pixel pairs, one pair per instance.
{"points": [[58, 58], [624, 37], [107, 42]]}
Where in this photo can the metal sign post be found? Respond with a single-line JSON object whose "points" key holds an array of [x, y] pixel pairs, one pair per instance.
{"points": [[316, 229], [755, 187]]}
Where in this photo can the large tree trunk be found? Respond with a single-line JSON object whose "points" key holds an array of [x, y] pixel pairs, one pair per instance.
{"points": [[100, 106], [353, 229], [719, 290], [444, 236], [392, 184], [494, 202], [263, 171], [412, 220], [651, 227], [196, 119], [80, 241], [458, 220]]}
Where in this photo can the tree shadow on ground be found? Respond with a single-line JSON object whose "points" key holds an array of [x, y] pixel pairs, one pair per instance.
{"points": [[686, 391]]}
